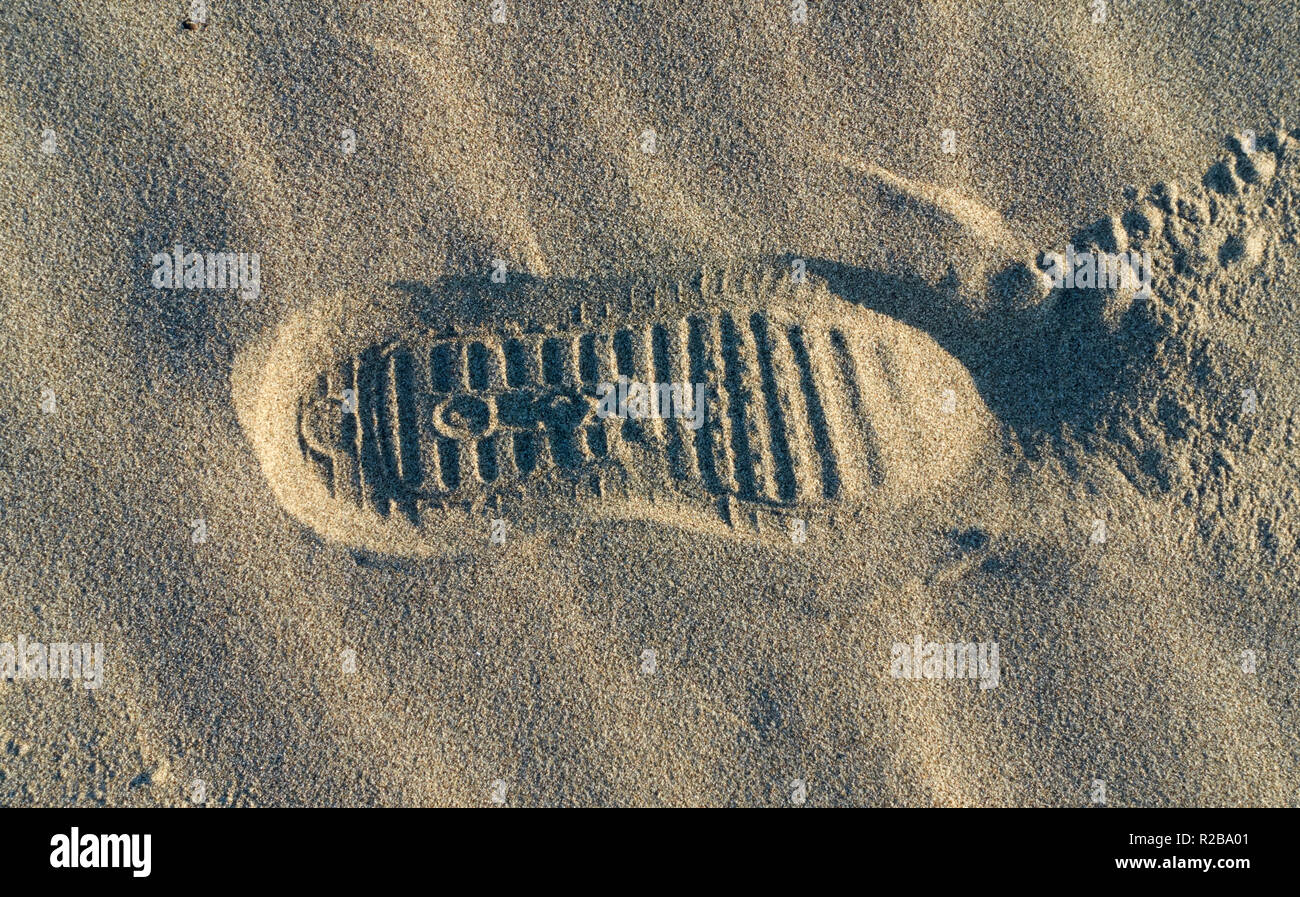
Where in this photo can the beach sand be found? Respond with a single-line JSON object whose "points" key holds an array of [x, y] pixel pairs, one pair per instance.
{"points": [[838, 225]]}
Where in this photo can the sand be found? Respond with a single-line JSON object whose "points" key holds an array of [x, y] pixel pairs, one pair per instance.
{"points": [[457, 583]]}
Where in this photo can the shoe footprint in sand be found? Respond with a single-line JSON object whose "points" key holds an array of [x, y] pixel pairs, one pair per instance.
{"points": [[390, 431]]}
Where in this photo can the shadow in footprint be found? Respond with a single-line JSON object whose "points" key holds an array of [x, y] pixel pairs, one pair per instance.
{"points": [[1043, 368]]}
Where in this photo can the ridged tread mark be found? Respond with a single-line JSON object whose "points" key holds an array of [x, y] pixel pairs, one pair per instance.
{"points": [[889, 370], [347, 459], [524, 371], [445, 367], [486, 367], [559, 361], [825, 433], [486, 449], [597, 366], [523, 361], [370, 404], [651, 429], [553, 361], [470, 473], [792, 436], [487, 373], [401, 414], [780, 410], [644, 368], [851, 375], [318, 453], [449, 458], [626, 362], [427, 436], [748, 418], [713, 440], [507, 459], [671, 366], [524, 449]]}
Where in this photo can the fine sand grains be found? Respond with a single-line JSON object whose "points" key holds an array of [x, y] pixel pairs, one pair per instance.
{"points": [[1101, 483]]}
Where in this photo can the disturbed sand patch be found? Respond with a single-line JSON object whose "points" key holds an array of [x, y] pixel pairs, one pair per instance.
{"points": [[1196, 405]]}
